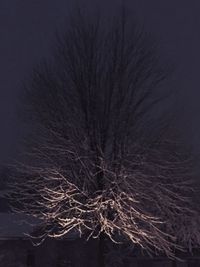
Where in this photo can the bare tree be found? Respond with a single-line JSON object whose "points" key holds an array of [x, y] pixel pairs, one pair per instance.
{"points": [[96, 161]]}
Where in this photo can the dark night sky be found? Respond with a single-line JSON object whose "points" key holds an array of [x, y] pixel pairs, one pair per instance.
{"points": [[27, 32]]}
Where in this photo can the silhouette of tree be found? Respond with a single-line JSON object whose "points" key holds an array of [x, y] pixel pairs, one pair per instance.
{"points": [[97, 160]]}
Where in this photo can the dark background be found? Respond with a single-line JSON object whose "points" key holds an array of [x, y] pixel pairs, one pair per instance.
{"points": [[27, 31]]}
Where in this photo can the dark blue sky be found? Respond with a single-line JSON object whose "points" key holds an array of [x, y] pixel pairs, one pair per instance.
{"points": [[27, 32]]}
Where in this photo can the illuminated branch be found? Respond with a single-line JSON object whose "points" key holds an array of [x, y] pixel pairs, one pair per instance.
{"points": [[140, 201]]}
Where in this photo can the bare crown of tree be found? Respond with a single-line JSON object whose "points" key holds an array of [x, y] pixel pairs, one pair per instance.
{"points": [[96, 163]]}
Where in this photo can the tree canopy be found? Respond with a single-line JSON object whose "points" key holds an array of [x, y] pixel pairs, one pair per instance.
{"points": [[97, 161]]}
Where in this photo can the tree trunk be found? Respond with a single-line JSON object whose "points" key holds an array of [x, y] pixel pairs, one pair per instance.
{"points": [[174, 263], [101, 251]]}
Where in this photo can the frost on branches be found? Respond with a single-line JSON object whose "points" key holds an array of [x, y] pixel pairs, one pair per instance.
{"points": [[96, 161]]}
